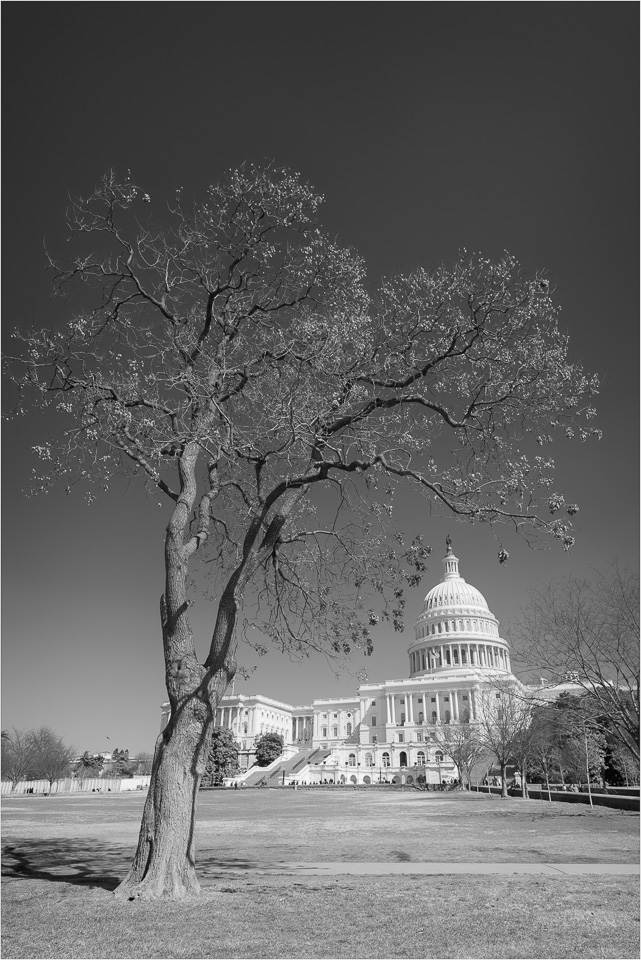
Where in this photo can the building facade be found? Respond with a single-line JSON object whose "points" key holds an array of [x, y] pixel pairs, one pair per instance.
{"points": [[390, 730]]}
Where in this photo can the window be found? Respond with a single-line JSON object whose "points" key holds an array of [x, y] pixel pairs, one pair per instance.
{"points": [[433, 699], [455, 655], [373, 721], [324, 732], [465, 696], [439, 757], [420, 758], [351, 760], [463, 656], [402, 718], [401, 737], [374, 739], [324, 716], [419, 735], [447, 658], [335, 716], [447, 716], [446, 699], [349, 729], [433, 716], [386, 759], [334, 731], [420, 716], [369, 761], [420, 700]]}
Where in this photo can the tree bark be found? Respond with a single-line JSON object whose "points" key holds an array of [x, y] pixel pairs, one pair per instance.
{"points": [[503, 779], [164, 864]]}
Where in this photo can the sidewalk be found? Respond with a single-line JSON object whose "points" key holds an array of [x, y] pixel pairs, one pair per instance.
{"points": [[333, 868]]}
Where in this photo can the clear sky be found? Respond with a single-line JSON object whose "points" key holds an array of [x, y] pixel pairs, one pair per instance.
{"points": [[429, 127]]}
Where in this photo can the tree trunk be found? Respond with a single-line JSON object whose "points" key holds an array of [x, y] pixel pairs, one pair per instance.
{"points": [[524, 793], [164, 864], [503, 780]]}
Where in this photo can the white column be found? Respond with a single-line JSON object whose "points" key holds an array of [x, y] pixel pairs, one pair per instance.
{"points": [[393, 709], [410, 708], [455, 713], [438, 709]]}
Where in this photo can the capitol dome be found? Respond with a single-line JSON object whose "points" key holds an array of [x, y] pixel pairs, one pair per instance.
{"points": [[456, 629]]}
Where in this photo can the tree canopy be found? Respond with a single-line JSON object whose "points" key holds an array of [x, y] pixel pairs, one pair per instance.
{"points": [[267, 747], [228, 351], [587, 630], [223, 757]]}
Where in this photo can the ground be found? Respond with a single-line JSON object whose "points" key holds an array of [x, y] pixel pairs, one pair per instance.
{"points": [[62, 857]]}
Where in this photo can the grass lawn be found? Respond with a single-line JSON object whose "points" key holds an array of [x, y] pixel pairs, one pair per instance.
{"points": [[63, 855]]}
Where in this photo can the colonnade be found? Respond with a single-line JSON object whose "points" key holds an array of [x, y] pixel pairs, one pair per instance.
{"points": [[450, 696], [459, 655]]}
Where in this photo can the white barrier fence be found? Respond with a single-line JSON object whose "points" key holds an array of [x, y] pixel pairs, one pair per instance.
{"points": [[76, 785]]}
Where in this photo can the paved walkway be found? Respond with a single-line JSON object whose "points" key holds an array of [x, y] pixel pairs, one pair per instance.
{"points": [[331, 868]]}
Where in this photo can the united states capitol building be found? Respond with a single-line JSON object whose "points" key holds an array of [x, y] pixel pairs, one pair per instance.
{"points": [[389, 730]]}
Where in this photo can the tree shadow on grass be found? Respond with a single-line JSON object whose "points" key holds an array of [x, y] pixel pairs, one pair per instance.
{"points": [[88, 863]]}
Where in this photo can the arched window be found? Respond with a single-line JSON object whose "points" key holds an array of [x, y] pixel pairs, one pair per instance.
{"points": [[433, 716], [466, 716], [369, 762], [349, 729], [386, 759], [420, 716], [403, 759], [351, 760], [439, 757], [402, 718], [420, 758], [455, 655], [447, 716]]}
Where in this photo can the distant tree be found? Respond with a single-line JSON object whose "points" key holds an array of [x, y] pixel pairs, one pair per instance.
{"points": [[589, 630], [223, 757], [268, 747], [622, 767], [226, 350], [17, 756], [144, 763], [51, 757], [89, 765], [544, 743], [460, 742], [504, 716], [120, 765], [581, 741]]}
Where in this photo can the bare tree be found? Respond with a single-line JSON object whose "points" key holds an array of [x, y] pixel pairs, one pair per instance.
{"points": [[460, 742], [589, 630], [227, 352], [504, 714], [50, 757], [17, 756]]}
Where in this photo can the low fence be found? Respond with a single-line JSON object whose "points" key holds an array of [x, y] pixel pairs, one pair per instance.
{"points": [[75, 785], [600, 798]]}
